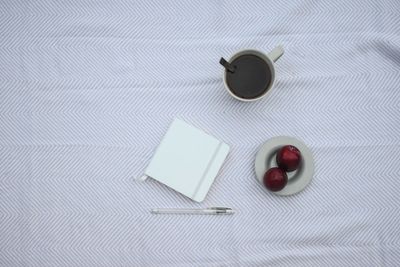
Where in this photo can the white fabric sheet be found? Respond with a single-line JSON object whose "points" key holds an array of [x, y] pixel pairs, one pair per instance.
{"points": [[88, 89]]}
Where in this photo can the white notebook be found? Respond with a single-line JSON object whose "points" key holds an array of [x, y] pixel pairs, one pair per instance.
{"points": [[187, 160]]}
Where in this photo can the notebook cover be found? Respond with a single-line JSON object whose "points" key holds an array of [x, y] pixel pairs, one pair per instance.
{"points": [[187, 160]]}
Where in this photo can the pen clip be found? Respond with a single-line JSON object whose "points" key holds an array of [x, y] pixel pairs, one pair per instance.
{"points": [[221, 209]]}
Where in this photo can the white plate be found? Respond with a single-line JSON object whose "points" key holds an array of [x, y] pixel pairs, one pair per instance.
{"points": [[298, 179]]}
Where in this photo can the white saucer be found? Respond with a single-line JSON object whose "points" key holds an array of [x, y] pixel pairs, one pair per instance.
{"points": [[298, 179]]}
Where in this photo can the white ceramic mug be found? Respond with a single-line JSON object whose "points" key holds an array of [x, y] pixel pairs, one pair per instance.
{"points": [[269, 58]]}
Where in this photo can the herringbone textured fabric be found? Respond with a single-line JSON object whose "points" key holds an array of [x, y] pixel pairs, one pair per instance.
{"points": [[88, 89]]}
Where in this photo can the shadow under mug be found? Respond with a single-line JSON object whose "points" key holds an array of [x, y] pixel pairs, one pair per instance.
{"points": [[269, 59]]}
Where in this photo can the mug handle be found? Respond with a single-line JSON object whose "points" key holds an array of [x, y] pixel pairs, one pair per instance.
{"points": [[276, 53]]}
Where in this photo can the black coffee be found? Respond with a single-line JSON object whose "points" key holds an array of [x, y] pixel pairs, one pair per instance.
{"points": [[251, 78]]}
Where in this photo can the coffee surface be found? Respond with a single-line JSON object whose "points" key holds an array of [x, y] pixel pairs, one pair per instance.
{"points": [[251, 78]]}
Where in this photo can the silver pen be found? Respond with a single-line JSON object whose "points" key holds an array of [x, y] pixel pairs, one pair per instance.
{"points": [[206, 211]]}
